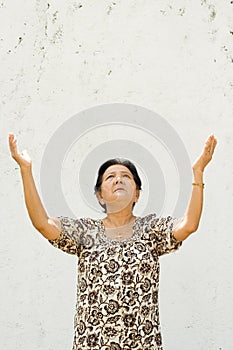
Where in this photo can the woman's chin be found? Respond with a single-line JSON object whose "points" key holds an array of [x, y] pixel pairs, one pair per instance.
{"points": [[119, 206]]}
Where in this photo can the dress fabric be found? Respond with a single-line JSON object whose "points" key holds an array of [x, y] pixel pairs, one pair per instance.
{"points": [[118, 282]]}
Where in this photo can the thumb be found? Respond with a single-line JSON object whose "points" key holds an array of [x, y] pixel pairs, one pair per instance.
{"points": [[25, 154], [24, 151]]}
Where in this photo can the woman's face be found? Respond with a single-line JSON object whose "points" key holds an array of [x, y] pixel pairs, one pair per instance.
{"points": [[118, 188]]}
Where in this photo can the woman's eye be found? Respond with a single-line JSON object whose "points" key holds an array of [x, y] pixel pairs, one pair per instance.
{"points": [[111, 176]]}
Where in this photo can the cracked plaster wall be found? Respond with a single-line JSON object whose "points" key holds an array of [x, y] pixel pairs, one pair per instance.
{"points": [[61, 57]]}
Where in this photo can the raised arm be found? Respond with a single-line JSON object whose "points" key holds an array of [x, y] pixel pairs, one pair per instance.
{"points": [[49, 227], [192, 216]]}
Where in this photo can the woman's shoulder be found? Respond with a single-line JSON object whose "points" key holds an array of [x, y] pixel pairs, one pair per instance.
{"points": [[147, 219], [82, 222], [154, 221]]}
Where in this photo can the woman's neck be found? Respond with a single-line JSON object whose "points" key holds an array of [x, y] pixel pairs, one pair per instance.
{"points": [[118, 219]]}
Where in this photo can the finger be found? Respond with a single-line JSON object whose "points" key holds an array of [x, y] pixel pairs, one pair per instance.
{"points": [[213, 145], [12, 138], [13, 146], [209, 137], [210, 146], [207, 146], [10, 134], [208, 143], [13, 143], [210, 140]]}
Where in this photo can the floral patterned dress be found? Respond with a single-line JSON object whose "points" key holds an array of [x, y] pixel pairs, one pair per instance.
{"points": [[118, 282]]}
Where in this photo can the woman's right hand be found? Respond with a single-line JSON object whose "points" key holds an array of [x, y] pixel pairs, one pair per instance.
{"points": [[23, 159]]}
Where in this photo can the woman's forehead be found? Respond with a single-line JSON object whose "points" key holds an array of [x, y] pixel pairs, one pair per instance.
{"points": [[117, 168]]}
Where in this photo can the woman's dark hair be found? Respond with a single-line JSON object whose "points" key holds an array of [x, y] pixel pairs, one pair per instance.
{"points": [[127, 163]]}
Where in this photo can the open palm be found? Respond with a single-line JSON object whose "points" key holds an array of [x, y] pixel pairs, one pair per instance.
{"points": [[206, 155], [23, 159]]}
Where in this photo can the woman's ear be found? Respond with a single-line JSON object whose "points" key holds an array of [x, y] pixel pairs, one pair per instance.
{"points": [[137, 194], [100, 198]]}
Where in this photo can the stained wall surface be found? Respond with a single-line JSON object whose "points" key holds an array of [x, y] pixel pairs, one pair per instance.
{"points": [[61, 58]]}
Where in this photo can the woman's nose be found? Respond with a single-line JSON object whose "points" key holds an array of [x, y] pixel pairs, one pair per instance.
{"points": [[118, 179]]}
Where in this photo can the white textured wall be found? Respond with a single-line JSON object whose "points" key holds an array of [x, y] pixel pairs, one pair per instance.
{"points": [[62, 57]]}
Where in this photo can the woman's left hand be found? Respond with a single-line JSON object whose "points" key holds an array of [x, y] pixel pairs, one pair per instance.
{"points": [[206, 155]]}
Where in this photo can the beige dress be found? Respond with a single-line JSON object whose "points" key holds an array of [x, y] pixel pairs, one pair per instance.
{"points": [[118, 282]]}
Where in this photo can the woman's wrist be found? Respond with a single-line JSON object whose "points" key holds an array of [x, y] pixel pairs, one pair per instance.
{"points": [[26, 169], [197, 176], [197, 170]]}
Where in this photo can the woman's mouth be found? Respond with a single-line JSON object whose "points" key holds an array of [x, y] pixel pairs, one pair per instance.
{"points": [[119, 189]]}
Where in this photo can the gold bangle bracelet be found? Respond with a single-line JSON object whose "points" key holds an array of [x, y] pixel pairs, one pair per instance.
{"points": [[198, 184]]}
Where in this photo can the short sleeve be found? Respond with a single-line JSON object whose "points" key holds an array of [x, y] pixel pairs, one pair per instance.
{"points": [[160, 233], [71, 231]]}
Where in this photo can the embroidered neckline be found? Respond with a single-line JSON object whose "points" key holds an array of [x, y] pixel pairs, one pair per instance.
{"points": [[134, 236]]}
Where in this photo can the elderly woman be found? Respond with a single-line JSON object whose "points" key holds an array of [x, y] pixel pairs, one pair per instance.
{"points": [[118, 256]]}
